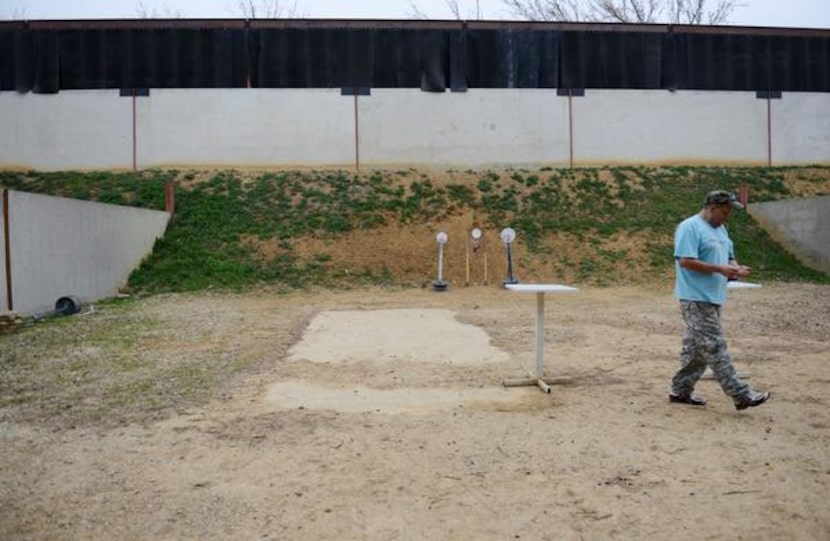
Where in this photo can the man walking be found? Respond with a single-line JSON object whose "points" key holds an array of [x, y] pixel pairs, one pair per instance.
{"points": [[704, 262]]}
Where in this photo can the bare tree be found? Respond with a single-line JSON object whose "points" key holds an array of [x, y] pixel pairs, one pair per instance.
{"points": [[143, 12], [17, 14], [416, 12], [454, 6], [550, 10], [625, 11], [267, 9], [695, 12]]}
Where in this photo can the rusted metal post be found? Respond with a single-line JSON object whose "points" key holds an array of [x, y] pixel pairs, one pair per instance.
{"points": [[570, 131], [743, 195], [135, 142], [356, 130], [7, 251], [169, 198]]}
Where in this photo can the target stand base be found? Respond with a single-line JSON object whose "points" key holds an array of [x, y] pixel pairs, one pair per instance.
{"points": [[541, 382], [440, 285]]}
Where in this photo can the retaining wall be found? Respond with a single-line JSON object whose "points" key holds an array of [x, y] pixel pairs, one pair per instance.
{"points": [[800, 225], [60, 247], [100, 129]]}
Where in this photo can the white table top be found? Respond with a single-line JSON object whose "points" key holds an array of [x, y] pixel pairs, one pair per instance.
{"points": [[735, 284], [559, 288], [541, 288]]}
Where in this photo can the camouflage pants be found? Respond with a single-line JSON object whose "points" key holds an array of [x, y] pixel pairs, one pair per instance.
{"points": [[704, 345]]}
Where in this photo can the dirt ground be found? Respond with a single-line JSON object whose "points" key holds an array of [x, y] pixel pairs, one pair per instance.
{"points": [[380, 414]]}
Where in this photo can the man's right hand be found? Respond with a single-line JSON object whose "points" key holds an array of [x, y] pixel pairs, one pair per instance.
{"points": [[733, 272]]}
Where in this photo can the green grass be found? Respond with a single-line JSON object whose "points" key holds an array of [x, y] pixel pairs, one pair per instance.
{"points": [[211, 239], [130, 361], [95, 369]]}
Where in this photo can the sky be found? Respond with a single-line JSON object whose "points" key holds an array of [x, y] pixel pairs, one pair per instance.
{"points": [[780, 13]]}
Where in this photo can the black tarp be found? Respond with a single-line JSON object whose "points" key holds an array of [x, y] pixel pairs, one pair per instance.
{"points": [[748, 62], [309, 58], [434, 59], [714, 62], [611, 60], [20, 60], [513, 59], [397, 59], [799, 63], [46, 61], [336, 57], [169, 58], [458, 61]]}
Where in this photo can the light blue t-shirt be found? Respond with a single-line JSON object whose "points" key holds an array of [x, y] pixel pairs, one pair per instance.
{"points": [[697, 239]]}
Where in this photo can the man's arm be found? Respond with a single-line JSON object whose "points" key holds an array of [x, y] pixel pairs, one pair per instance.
{"points": [[732, 271]]}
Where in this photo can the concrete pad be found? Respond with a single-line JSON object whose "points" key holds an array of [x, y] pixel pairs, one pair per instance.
{"points": [[395, 336]]}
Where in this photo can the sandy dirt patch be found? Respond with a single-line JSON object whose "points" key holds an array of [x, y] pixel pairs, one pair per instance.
{"points": [[402, 342], [410, 441]]}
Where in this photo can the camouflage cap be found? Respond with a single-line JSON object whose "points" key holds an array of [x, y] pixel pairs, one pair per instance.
{"points": [[722, 197]]}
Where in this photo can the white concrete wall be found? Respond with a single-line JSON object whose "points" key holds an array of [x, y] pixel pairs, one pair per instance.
{"points": [[82, 129], [63, 247], [407, 127], [800, 129], [481, 127], [801, 225], [658, 126], [247, 127]]}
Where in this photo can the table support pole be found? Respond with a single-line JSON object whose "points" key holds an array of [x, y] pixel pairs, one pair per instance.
{"points": [[540, 348], [537, 376], [540, 333]]}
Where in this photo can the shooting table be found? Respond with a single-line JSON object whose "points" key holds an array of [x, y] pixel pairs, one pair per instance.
{"points": [[537, 378], [737, 284]]}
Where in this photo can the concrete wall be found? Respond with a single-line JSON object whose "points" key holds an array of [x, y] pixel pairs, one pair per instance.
{"points": [[406, 127], [800, 129], [632, 127], [474, 128], [800, 225], [84, 129], [61, 247], [248, 127]]}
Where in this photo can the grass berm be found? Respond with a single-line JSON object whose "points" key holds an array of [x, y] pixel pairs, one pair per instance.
{"points": [[239, 229]]}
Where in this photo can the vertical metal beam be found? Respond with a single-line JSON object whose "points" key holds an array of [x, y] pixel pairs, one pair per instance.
{"points": [[570, 93], [7, 251], [356, 131], [135, 143], [769, 95], [571, 130], [769, 131], [540, 334]]}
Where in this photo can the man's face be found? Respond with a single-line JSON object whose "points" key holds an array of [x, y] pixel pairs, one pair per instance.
{"points": [[721, 213]]}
